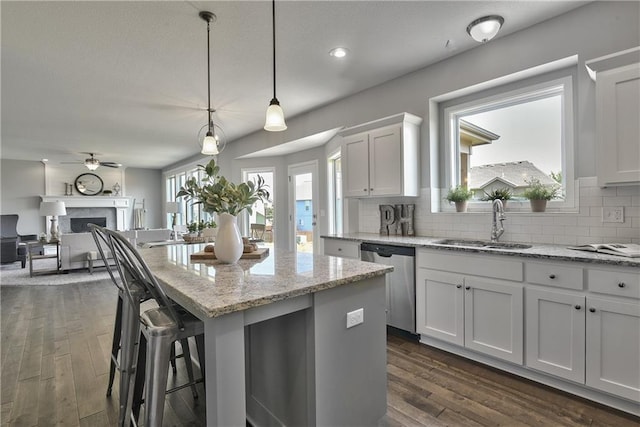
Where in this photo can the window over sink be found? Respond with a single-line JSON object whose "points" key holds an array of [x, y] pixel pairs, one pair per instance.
{"points": [[506, 136]]}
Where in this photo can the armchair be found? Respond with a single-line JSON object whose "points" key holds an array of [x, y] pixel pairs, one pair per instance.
{"points": [[12, 246]]}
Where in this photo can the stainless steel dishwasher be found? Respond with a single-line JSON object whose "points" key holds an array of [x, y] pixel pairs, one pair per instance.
{"points": [[401, 286]]}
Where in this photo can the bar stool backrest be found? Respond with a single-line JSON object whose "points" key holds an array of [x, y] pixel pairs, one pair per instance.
{"points": [[133, 269]]}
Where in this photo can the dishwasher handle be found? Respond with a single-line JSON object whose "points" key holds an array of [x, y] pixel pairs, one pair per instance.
{"points": [[387, 251]]}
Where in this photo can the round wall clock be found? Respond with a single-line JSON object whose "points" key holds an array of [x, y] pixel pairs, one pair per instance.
{"points": [[89, 184]]}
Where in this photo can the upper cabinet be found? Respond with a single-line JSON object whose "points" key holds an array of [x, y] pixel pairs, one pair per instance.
{"points": [[617, 78], [380, 158]]}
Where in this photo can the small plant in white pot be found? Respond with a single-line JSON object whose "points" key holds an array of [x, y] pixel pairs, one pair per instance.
{"points": [[503, 194], [460, 196], [539, 194]]}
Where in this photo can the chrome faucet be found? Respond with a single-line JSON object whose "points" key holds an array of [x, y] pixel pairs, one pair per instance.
{"points": [[498, 215]]}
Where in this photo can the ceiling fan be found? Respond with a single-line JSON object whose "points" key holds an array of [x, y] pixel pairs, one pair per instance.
{"points": [[92, 163]]}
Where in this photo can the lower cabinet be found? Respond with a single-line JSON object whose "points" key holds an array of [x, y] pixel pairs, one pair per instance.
{"points": [[571, 322], [613, 347], [555, 330], [485, 315], [589, 340]]}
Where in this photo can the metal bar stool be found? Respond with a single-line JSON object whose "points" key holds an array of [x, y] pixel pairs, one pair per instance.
{"points": [[160, 328]]}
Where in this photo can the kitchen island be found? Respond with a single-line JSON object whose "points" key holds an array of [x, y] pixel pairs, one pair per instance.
{"points": [[278, 349]]}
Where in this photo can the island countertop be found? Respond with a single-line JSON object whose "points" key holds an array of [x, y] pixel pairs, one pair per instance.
{"points": [[211, 289]]}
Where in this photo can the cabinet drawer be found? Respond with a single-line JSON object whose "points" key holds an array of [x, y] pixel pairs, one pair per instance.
{"points": [[622, 283], [342, 248], [478, 265], [551, 274]]}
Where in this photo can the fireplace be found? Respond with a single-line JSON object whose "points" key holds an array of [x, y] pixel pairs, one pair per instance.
{"points": [[81, 225]]}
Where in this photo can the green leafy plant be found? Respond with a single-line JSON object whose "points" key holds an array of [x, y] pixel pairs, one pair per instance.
{"points": [[459, 194], [216, 194], [539, 191], [503, 193], [192, 227]]}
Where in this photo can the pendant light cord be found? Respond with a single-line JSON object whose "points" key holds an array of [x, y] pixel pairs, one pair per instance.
{"points": [[273, 22], [209, 73]]}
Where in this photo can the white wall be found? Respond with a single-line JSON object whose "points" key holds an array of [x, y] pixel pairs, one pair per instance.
{"points": [[23, 182]]}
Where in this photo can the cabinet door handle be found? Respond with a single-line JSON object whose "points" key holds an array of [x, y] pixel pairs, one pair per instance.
{"points": [[467, 287], [621, 285], [578, 307], [339, 249], [371, 189], [552, 276], [458, 286], [592, 309], [364, 189]]}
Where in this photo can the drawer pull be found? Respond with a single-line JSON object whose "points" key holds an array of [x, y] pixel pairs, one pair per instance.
{"points": [[552, 276], [621, 285], [339, 249], [467, 287], [593, 310], [458, 286], [578, 307]]}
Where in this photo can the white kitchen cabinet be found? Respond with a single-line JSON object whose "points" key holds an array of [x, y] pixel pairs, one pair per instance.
{"points": [[483, 314], [617, 79], [381, 159], [342, 248], [440, 305], [555, 332], [613, 347]]}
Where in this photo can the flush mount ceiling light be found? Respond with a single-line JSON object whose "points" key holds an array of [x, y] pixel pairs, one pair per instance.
{"points": [[484, 29], [213, 142], [339, 52], [275, 116]]}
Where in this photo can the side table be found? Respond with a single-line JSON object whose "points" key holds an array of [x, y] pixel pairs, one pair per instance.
{"points": [[33, 257]]}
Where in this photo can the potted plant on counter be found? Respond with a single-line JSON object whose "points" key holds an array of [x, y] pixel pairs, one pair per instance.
{"points": [[539, 194], [218, 195], [459, 195], [503, 194]]}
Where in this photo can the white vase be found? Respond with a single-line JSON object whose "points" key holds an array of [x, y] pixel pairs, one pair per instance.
{"points": [[228, 245]]}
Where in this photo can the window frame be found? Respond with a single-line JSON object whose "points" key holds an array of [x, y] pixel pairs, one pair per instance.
{"points": [[332, 185], [502, 97]]}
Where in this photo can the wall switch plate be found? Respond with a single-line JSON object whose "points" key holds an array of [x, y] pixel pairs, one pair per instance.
{"points": [[613, 214], [355, 317]]}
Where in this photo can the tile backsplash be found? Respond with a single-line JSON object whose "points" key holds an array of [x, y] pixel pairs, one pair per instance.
{"points": [[563, 228]]}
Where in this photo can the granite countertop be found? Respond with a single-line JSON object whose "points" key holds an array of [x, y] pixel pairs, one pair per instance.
{"points": [[211, 288], [543, 251]]}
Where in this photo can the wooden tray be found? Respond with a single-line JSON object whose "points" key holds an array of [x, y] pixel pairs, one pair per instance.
{"points": [[205, 256]]}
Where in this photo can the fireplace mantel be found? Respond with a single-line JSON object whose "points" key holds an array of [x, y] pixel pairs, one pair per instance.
{"points": [[120, 204], [89, 201]]}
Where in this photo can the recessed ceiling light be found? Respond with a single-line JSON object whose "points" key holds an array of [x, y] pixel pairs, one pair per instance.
{"points": [[339, 52]]}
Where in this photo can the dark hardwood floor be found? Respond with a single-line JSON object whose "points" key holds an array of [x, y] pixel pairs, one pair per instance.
{"points": [[55, 344]]}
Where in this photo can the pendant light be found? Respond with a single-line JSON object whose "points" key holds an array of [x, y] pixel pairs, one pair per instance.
{"points": [[275, 116], [212, 143]]}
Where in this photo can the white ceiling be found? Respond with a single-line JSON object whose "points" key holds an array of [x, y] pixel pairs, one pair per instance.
{"points": [[127, 80]]}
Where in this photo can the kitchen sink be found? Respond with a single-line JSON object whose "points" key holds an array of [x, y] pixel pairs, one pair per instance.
{"points": [[460, 242], [482, 244]]}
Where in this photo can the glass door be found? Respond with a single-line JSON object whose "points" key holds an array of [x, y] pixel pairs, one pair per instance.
{"points": [[303, 206]]}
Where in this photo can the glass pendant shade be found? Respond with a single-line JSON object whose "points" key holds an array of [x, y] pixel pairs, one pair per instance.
{"points": [[484, 29], [209, 145], [275, 117]]}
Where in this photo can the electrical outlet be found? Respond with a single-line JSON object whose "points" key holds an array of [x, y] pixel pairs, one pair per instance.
{"points": [[355, 317], [613, 214]]}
